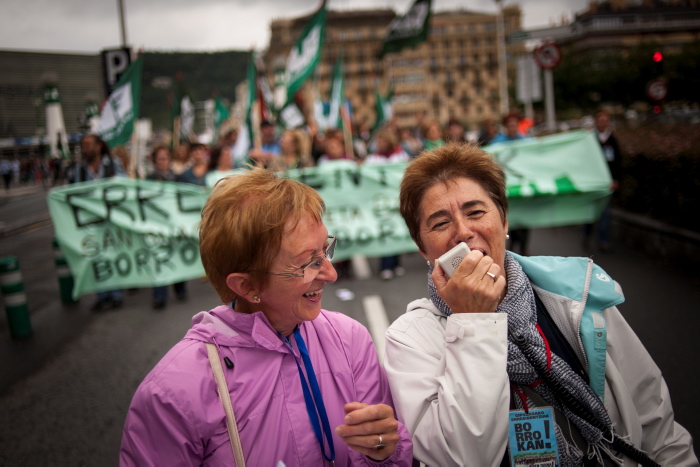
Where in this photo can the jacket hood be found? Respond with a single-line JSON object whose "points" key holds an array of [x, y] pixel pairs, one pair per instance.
{"points": [[573, 278]]}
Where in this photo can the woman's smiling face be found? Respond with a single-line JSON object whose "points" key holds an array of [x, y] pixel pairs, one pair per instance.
{"points": [[288, 300], [461, 211]]}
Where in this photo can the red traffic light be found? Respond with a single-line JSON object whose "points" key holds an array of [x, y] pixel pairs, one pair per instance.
{"points": [[658, 56]]}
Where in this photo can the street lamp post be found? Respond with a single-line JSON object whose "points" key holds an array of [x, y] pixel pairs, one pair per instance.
{"points": [[121, 21], [502, 72]]}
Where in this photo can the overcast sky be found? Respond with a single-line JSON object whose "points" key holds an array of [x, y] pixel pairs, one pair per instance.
{"points": [[200, 25]]}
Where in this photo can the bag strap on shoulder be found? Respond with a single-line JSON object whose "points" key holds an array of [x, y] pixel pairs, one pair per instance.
{"points": [[225, 397]]}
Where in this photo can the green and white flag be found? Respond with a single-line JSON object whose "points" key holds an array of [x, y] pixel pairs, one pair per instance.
{"points": [[408, 30], [383, 107], [337, 95], [221, 113], [122, 108], [186, 118], [306, 53]]}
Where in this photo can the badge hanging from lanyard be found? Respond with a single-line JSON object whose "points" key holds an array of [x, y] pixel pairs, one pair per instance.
{"points": [[531, 438]]}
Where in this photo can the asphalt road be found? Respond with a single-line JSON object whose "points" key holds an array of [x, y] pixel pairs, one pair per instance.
{"points": [[65, 391]]}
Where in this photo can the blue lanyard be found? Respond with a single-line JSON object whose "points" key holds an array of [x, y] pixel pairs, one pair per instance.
{"points": [[315, 403]]}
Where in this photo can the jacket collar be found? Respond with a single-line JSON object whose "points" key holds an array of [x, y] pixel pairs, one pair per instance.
{"points": [[231, 328]]}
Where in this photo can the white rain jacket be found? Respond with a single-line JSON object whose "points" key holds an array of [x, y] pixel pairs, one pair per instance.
{"points": [[451, 390]]}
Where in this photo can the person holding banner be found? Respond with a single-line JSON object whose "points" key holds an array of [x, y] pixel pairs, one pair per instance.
{"points": [[162, 171], [97, 163], [295, 152], [197, 172], [182, 159], [388, 151], [269, 151], [267, 253], [513, 359], [519, 238]]}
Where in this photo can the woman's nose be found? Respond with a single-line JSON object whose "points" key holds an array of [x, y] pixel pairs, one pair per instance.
{"points": [[463, 230], [327, 272]]}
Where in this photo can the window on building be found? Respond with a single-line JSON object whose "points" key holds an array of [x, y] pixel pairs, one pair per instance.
{"points": [[436, 102]]}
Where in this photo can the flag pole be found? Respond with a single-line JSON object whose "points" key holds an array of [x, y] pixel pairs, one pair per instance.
{"points": [[176, 132], [134, 148], [347, 132]]}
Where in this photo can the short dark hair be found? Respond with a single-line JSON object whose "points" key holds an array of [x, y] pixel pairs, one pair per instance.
{"points": [[441, 165]]}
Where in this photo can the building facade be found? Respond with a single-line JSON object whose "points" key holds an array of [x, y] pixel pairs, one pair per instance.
{"points": [[625, 24], [22, 81], [454, 74]]}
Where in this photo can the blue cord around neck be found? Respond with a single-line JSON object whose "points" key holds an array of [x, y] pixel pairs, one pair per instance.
{"points": [[314, 404]]}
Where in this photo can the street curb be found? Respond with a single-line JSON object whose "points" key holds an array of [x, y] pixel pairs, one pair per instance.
{"points": [[673, 244], [11, 228]]}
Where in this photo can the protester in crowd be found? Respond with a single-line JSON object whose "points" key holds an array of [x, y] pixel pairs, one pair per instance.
{"points": [[455, 131], [510, 332], [334, 153], [267, 253], [181, 161], [270, 149], [611, 151], [519, 238], [122, 154], [16, 170], [361, 138], [220, 159], [432, 135], [334, 148], [388, 151], [97, 164], [510, 129], [196, 173], [229, 139], [96, 161], [487, 132], [412, 145], [295, 152], [6, 172], [161, 159]]}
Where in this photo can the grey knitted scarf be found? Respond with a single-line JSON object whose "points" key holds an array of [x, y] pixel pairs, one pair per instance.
{"points": [[519, 304]]}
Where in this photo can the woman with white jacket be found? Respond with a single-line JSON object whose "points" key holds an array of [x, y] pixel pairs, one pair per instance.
{"points": [[516, 360]]}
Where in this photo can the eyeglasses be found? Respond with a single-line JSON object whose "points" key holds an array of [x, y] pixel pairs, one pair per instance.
{"points": [[310, 270]]}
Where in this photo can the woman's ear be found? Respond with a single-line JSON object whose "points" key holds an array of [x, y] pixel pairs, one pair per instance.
{"points": [[242, 285]]}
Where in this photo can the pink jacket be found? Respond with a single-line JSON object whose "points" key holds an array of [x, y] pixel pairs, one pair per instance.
{"points": [[176, 417]]}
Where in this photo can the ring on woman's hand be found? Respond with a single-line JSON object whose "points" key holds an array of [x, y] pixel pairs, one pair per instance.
{"points": [[492, 275], [380, 444]]}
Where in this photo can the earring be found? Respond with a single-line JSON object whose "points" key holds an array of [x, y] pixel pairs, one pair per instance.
{"points": [[428, 262], [507, 236], [256, 299]]}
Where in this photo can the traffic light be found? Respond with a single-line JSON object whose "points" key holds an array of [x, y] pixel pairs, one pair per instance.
{"points": [[658, 58]]}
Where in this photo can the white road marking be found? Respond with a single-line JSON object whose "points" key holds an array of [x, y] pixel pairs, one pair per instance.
{"points": [[360, 267], [377, 320]]}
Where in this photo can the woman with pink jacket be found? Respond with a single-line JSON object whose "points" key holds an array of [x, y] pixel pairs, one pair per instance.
{"points": [[305, 383]]}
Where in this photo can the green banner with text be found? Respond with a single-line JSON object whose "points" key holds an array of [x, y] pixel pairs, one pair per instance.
{"points": [[123, 233]]}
